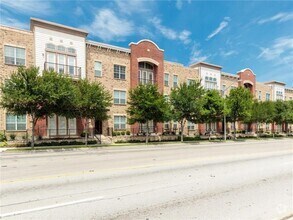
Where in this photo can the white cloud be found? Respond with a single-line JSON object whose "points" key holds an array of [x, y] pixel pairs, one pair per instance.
{"points": [[280, 17], [183, 36], [179, 4], [78, 11], [30, 7], [196, 54], [133, 6], [228, 53], [12, 22], [222, 25], [281, 52], [107, 26]]}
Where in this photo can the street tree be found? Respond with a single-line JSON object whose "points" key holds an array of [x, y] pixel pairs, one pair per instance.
{"points": [[213, 107], [239, 104], [187, 104], [92, 101], [28, 92], [147, 104], [283, 112]]}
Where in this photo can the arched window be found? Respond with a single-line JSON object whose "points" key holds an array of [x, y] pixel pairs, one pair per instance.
{"points": [[50, 46], [70, 50], [61, 48], [146, 73]]}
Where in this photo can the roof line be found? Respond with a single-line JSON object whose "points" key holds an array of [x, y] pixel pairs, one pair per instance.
{"points": [[108, 46]]}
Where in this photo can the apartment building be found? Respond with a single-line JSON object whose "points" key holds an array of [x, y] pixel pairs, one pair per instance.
{"points": [[67, 50]]}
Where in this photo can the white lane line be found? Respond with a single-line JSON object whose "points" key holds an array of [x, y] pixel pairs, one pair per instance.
{"points": [[51, 206]]}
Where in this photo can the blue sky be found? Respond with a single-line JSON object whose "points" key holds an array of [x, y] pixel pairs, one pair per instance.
{"points": [[233, 34]]}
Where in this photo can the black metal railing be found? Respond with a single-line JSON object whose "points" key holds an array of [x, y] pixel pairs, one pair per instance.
{"points": [[73, 71], [146, 81]]}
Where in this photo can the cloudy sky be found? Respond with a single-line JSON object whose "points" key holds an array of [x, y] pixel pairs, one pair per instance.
{"points": [[233, 34]]}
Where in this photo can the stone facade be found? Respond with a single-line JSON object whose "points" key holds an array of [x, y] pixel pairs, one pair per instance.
{"points": [[20, 39]]}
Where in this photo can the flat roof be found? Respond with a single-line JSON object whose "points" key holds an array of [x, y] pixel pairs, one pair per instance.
{"points": [[108, 46], [275, 82], [205, 64], [60, 27], [229, 75]]}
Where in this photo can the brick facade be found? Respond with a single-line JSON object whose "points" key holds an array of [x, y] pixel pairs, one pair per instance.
{"points": [[15, 38], [142, 51]]}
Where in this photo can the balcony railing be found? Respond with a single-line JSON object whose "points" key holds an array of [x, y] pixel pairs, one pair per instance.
{"points": [[145, 81], [73, 71]]}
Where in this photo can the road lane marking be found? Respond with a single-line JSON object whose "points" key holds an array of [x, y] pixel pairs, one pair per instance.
{"points": [[51, 206], [205, 160]]}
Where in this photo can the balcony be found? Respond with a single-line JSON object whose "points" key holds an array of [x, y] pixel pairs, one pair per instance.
{"points": [[145, 81], [72, 71]]}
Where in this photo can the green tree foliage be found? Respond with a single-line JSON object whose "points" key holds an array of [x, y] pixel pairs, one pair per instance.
{"points": [[187, 104], [92, 101], [147, 104], [27, 92], [239, 104], [283, 112], [261, 112], [213, 107]]}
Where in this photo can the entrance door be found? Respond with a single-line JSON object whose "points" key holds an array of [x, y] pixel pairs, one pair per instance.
{"points": [[98, 127]]}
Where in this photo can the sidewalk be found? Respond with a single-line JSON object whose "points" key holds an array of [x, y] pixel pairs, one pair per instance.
{"points": [[126, 146]]}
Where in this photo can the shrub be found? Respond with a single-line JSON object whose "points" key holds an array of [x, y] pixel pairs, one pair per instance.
{"points": [[127, 132], [118, 133], [84, 133], [12, 137], [3, 137], [122, 132], [114, 133]]}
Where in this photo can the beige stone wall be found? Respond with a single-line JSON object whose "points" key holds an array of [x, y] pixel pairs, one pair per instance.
{"points": [[183, 73], [229, 82], [289, 94], [17, 38], [264, 89], [108, 58]]}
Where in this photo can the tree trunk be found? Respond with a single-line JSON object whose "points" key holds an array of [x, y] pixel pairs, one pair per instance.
{"points": [[182, 128], [33, 131], [234, 130], [147, 133], [86, 131], [257, 129], [210, 124]]}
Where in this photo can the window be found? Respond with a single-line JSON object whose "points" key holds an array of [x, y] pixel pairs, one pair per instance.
{"points": [[50, 46], [146, 77], [267, 126], [279, 95], [15, 122], [190, 81], [71, 65], [58, 125], [211, 126], [190, 125], [61, 63], [223, 88], [14, 55], [259, 95], [175, 125], [119, 97], [51, 61], [61, 48], [71, 50], [119, 72], [98, 69], [166, 79], [119, 122], [210, 83], [268, 96], [167, 125], [175, 81]]}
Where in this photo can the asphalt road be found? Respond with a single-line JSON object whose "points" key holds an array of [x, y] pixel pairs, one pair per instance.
{"points": [[249, 180]]}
